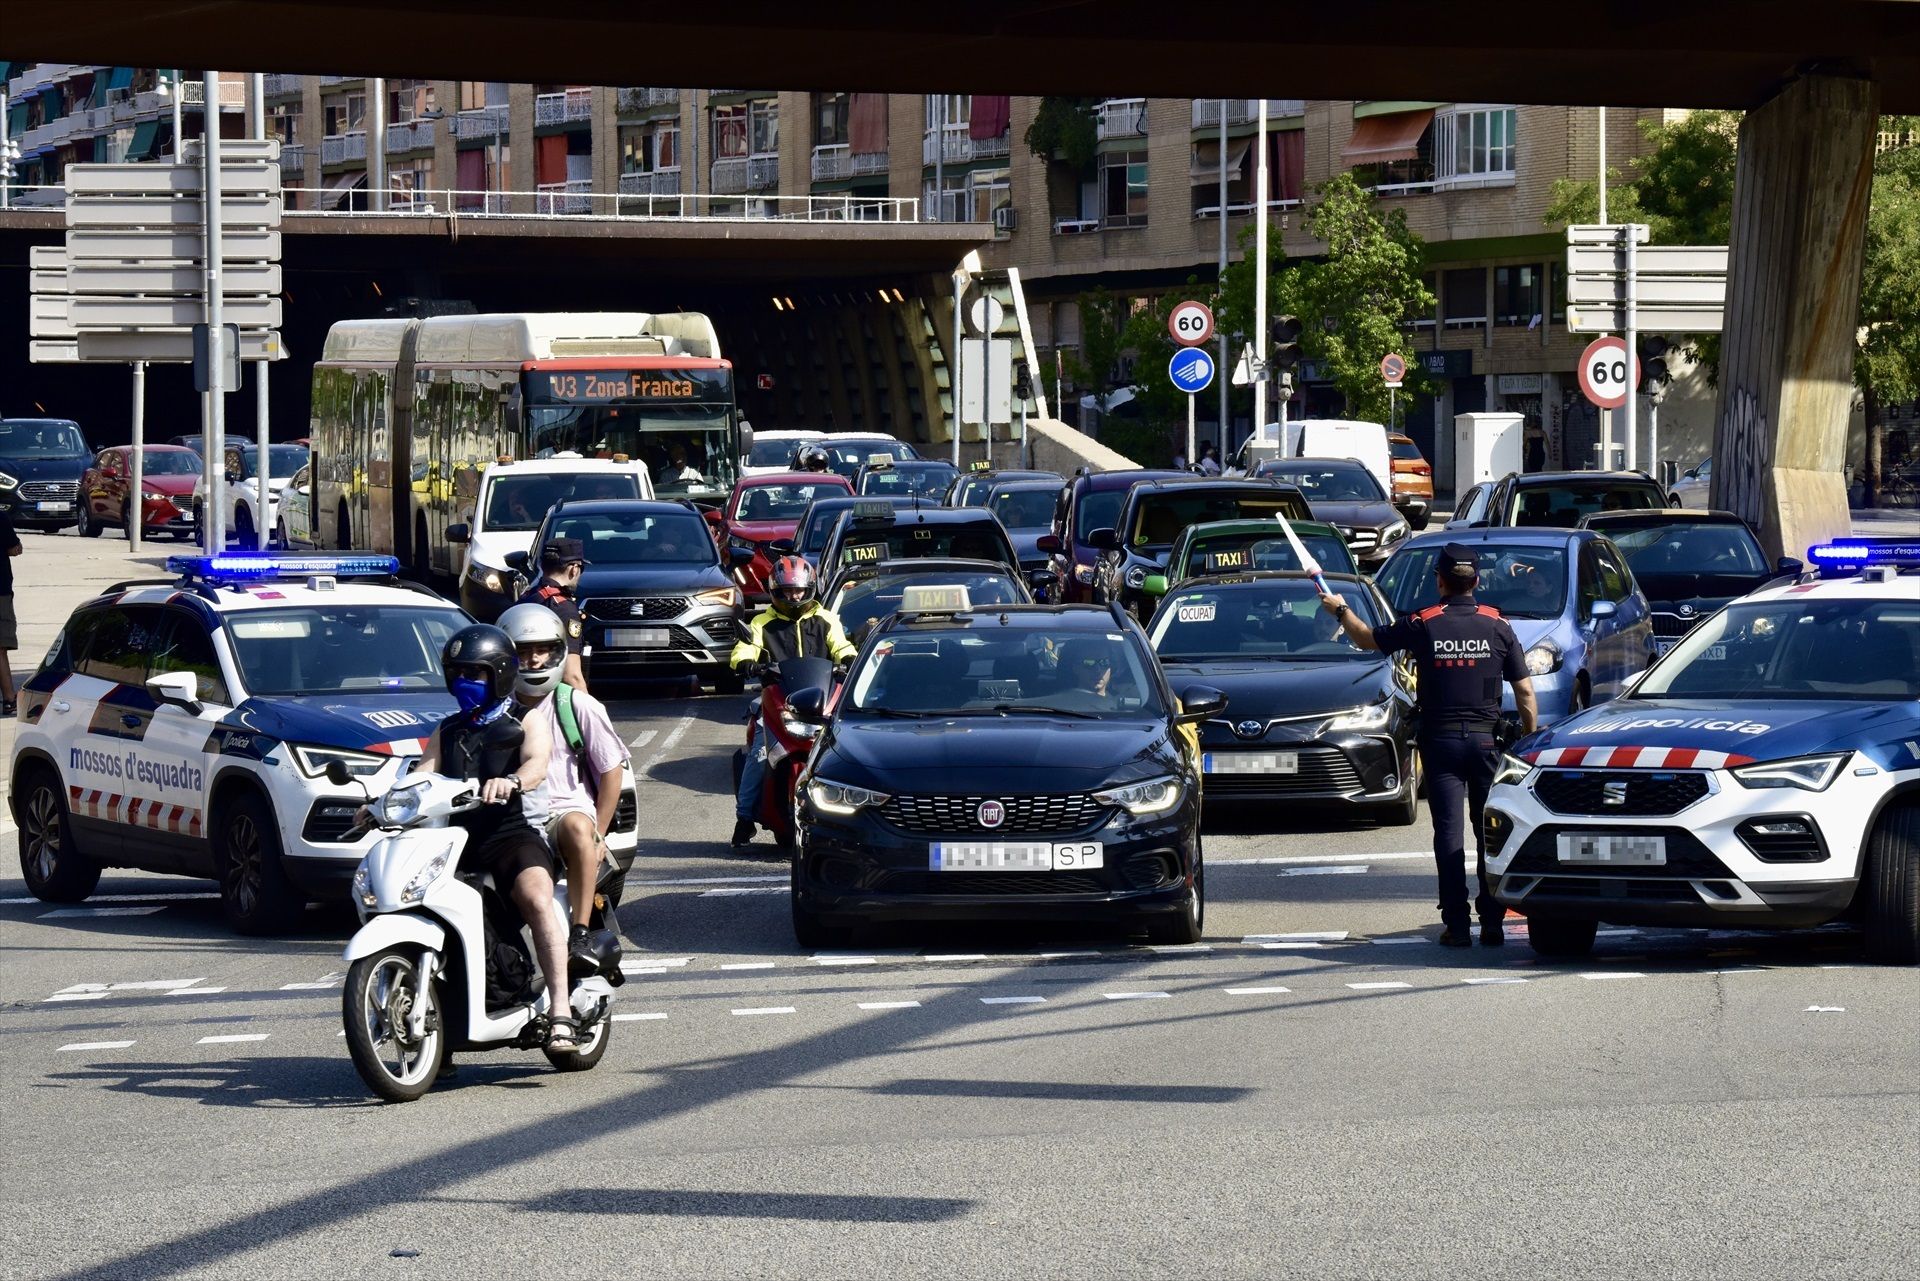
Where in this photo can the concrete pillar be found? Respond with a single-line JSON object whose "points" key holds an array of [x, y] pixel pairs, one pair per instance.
{"points": [[1793, 296]]}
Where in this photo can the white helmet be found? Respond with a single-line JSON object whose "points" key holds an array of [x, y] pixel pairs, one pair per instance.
{"points": [[532, 624]]}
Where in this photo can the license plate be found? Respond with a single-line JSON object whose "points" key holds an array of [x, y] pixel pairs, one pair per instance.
{"points": [[53, 507], [1714, 654], [1662, 646], [1250, 763], [1015, 856], [638, 637], [1607, 848]]}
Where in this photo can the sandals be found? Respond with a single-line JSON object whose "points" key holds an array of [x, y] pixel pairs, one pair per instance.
{"points": [[563, 1034]]}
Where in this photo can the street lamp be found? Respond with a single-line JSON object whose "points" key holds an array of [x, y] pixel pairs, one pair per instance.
{"points": [[9, 153]]}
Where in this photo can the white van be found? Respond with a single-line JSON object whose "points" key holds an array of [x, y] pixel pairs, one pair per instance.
{"points": [[1364, 443]]}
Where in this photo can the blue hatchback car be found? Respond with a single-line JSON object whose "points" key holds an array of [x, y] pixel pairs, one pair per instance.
{"points": [[1568, 594]]}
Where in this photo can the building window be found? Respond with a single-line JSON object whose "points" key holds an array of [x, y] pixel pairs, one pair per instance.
{"points": [[1123, 189], [345, 113], [989, 190], [1557, 290], [283, 122], [475, 94], [1463, 298], [651, 147], [730, 131], [831, 114], [1475, 144], [959, 110], [1391, 176], [763, 120], [1517, 295], [953, 200]]}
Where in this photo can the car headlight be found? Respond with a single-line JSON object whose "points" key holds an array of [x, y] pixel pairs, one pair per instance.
{"points": [[1511, 769], [484, 576], [1398, 529], [152, 497], [363, 892], [417, 887], [1083, 574], [400, 806], [1137, 577], [8, 482], [1155, 796], [842, 798], [1543, 658], [1360, 718], [729, 596], [1808, 773], [313, 761]]}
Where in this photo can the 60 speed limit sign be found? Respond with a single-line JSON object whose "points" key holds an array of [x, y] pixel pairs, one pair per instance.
{"points": [[1191, 323], [1607, 372]]}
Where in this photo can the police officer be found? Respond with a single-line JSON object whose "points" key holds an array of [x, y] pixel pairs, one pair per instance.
{"points": [[1464, 651], [561, 562]]}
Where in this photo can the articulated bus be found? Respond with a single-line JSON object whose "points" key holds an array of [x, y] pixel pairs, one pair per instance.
{"points": [[406, 414]]}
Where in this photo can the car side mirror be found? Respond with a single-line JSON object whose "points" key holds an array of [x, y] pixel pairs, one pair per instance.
{"points": [[517, 561], [1602, 609], [809, 706], [1049, 543], [1790, 565], [1154, 585], [1041, 581], [177, 689], [460, 534], [1106, 540], [781, 547], [337, 773], [739, 557], [1200, 702]]}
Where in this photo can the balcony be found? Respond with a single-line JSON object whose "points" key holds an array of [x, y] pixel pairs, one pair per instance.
{"points": [[1121, 118], [1243, 111], [343, 148], [340, 80], [573, 106], [279, 86], [763, 172], [955, 147], [411, 135], [293, 157], [481, 122], [661, 182], [575, 196], [838, 160], [638, 99], [232, 93]]}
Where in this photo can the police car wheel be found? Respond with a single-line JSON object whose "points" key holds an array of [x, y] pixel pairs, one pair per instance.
{"points": [[1560, 935], [1892, 888], [1186, 924], [255, 893], [53, 867]]}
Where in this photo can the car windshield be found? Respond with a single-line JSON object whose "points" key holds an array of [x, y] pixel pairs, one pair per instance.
{"points": [[1328, 482], [28, 439], [282, 461], [1405, 450], [817, 526], [1230, 552], [775, 452], [1096, 509], [1003, 670], [522, 502], [981, 539], [167, 462], [1520, 582], [1159, 518], [1781, 649], [330, 649], [918, 479], [1025, 508], [860, 603], [1261, 618], [781, 502], [848, 456], [637, 537], [1668, 548], [1562, 506]]}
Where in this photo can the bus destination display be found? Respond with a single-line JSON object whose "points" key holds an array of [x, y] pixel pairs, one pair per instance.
{"points": [[623, 386]]}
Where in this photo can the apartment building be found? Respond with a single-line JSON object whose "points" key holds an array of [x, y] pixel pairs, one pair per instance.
{"points": [[60, 114]]}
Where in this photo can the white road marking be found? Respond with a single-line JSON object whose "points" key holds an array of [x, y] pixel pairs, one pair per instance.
{"points": [[1394, 942], [1340, 869], [1301, 944], [818, 959], [196, 991], [644, 970], [749, 965], [1614, 934], [154, 985], [103, 911], [1614, 974], [82, 987], [955, 956], [93, 1045], [1825, 1009], [1305, 936], [1137, 996], [1500, 979], [1388, 985], [75, 996], [1013, 1000], [717, 880], [1742, 969], [1256, 991], [667, 745], [736, 890], [644, 737], [233, 1039], [117, 898], [1055, 956], [654, 962], [889, 1005], [1166, 948], [632, 1018], [767, 1009], [324, 985], [1284, 860]]}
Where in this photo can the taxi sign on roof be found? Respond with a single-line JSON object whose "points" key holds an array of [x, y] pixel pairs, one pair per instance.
{"points": [[870, 513], [879, 462], [935, 598]]}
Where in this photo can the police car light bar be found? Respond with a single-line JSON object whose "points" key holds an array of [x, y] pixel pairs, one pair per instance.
{"points": [[1855, 554], [244, 568]]}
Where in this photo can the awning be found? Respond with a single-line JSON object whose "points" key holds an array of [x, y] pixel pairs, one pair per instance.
{"points": [[1206, 160], [143, 136], [1378, 139], [338, 188], [122, 77]]}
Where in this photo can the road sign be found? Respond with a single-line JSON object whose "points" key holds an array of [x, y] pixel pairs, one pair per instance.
{"points": [[119, 212], [1246, 371], [1617, 282], [1646, 319], [1606, 372], [1191, 323], [169, 346], [1393, 368], [164, 244], [998, 391], [1651, 260], [984, 315], [145, 180], [47, 317], [102, 276], [249, 311], [1607, 233], [1191, 370]]}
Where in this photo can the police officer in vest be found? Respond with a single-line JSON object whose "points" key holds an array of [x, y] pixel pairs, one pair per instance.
{"points": [[1464, 651], [561, 562]]}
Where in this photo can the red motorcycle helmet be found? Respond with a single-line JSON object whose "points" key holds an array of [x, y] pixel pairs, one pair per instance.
{"points": [[791, 584]]}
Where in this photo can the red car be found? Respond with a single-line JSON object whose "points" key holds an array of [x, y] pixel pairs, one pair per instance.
{"points": [[167, 476], [766, 509]]}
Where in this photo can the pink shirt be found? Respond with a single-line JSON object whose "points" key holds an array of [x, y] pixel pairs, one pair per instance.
{"points": [[566, 788]]}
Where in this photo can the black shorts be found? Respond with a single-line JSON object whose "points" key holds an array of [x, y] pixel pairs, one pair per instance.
{"points": [[507, 854]]}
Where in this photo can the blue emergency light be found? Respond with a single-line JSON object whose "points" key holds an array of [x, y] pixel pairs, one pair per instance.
{"points": [[1855, 554], [249, 567]]}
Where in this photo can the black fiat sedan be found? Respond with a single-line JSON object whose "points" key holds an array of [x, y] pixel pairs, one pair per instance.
{"points": [[1002, 762]]}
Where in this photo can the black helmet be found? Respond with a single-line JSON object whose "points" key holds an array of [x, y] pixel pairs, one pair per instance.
{"points": [[811, 458], [485, 649]]}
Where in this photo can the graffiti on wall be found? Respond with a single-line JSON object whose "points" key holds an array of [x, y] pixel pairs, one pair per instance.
{"points": [[1740, 455]]}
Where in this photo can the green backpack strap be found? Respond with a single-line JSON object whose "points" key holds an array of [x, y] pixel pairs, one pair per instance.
{"points": [[569, 723]]}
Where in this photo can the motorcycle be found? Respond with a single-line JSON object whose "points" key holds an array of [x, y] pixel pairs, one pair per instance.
{"points": [[789, 741], [442, 960]]}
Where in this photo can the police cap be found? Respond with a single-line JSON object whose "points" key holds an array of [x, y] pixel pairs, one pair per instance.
{"points": [[1457, 561], [562, 552]]}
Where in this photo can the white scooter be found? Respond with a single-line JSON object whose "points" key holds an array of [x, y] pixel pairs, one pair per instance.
{"points": [[419, 984]]}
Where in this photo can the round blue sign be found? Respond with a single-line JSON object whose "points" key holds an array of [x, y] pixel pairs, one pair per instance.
{"points": [[1191, 370]]}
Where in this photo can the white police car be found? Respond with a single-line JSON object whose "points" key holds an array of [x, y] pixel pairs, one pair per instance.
{"points": [[1766, 772], [187, 726]]}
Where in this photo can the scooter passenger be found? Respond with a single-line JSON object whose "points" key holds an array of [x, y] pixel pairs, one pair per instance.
{"points": [[486, 740]]}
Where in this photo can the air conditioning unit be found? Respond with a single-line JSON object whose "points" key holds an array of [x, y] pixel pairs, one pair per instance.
{"points": [[1006, 218]]}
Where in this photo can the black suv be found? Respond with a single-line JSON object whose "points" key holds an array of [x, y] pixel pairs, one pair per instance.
{"points": [[1560, 499], [41, 462], [1153, 516]]}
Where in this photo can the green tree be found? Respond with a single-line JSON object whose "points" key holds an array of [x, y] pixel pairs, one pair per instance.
{"points": [[1682, 188], [1063, 130], [1887, 362]]}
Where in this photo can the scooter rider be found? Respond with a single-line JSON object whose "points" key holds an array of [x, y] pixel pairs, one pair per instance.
{"points": [[793, 625], [811, 458], [487, 740], [577, 802]]}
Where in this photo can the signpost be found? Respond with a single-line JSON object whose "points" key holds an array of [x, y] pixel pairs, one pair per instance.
{"points": [[1191, 370], [1393, 370], [1191, 324], [1608, 377]]}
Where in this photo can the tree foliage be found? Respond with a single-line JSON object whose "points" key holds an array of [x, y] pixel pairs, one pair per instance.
{"points": [[1887, 362], [1063, 129]]}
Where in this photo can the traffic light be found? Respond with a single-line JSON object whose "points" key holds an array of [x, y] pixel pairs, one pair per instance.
{"points": [[1285, 331], [1022, 381], [1654, 374]]}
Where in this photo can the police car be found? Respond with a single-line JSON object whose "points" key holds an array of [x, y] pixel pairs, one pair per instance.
{"points": [[1766, 772], [188, 726]]}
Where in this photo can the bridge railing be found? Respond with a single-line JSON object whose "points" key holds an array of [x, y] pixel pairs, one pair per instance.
{"points": [[568, 201]]}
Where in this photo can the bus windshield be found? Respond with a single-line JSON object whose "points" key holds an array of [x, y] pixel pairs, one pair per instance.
{"points": [[688, 448]]}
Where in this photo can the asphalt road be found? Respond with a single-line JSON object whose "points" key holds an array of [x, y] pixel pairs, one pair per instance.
{"points": [[1319, 1089]]}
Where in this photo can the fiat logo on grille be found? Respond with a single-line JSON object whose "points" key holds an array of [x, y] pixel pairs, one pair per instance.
{"points": [[1249, 729], [991, 814]]}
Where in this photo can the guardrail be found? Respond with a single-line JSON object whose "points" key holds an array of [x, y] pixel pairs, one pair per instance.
{"points": [[839, 160], [1241, 111], [563, 108], [481, 122], [1121, 118], [659, 182], [410, 135], [572, 201], [957, 147], [1242, 209], [639, 98], [338, 149], [276, 85]]}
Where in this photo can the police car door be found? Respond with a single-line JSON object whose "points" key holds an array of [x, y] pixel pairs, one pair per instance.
{"points": [[176, 778]]}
